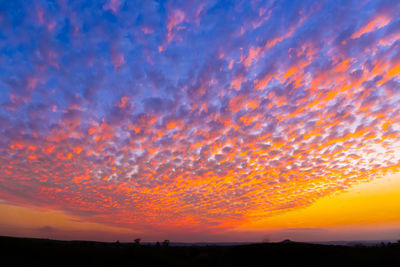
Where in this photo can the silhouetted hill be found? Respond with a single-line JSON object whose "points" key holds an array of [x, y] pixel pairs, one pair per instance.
{"points": [[356, 242], [44, 252]]}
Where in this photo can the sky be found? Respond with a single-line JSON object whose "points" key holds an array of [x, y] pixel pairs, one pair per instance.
{"points": [[200, 120]]}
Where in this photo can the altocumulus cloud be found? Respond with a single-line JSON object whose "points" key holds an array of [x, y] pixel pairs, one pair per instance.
{"points": [[197, 114]]}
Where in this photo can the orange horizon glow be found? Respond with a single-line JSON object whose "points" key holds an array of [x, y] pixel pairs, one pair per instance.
{"points": [[369, 211]]}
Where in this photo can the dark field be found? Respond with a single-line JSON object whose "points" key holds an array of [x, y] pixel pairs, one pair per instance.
{"points": [[43, 252]]}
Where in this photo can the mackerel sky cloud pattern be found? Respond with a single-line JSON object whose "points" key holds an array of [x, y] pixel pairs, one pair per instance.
{"points": [[195, 114]]}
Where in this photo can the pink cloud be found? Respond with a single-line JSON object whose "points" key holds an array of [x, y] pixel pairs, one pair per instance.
{"points": [[174, 19], [112, 5]]}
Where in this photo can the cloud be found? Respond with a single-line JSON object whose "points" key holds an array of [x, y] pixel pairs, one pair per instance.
{"points": [[225, 126], [112, 5]]}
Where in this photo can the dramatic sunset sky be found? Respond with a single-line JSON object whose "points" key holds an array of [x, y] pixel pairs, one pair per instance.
{"points": [[200, 120]]}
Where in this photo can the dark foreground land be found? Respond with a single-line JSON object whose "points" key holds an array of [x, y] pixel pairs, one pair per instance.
{"points": [[43, 252]]}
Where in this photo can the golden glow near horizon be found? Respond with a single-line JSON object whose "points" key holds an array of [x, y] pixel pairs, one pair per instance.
{"points": [[43, 223], [373, 203], [356, 213], [203, 120]]}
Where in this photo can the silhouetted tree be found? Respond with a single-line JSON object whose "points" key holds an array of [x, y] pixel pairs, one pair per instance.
{"points": [[137, 242], [166, 243], [158, 244]]}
